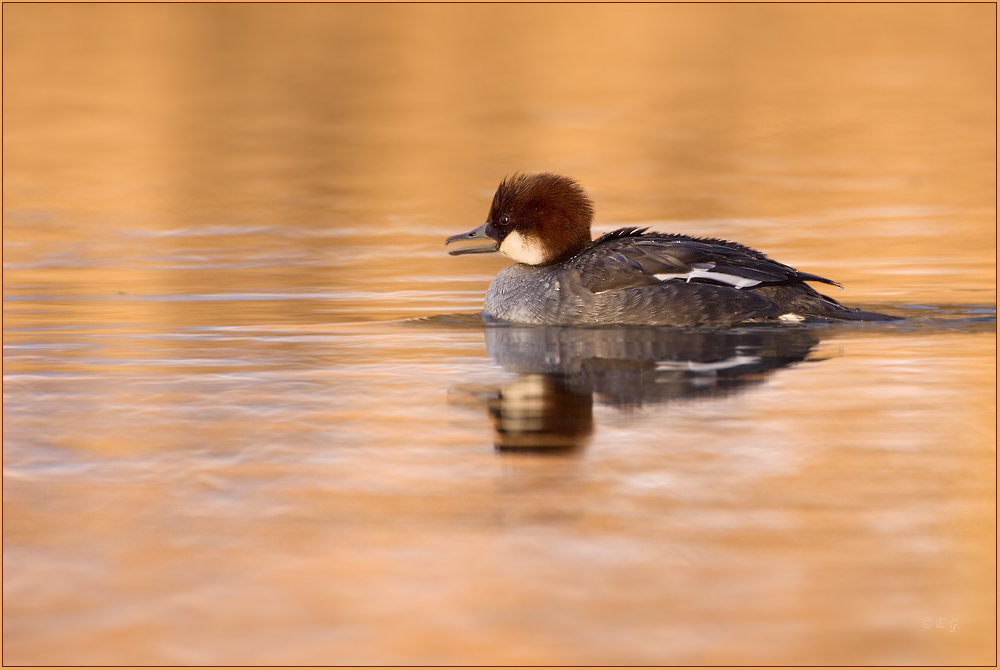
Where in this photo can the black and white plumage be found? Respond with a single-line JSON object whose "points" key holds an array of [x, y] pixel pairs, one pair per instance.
{"points": [[630, 275]]}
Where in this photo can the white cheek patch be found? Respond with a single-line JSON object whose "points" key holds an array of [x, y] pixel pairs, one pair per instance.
{"points": [[522, 403], [703, 272], [528, 250]]}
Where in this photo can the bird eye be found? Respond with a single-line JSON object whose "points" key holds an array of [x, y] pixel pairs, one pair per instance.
{"points": [[504, 219]]}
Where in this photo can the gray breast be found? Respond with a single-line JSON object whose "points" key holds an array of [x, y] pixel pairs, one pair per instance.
{"points": [[529, 294]]}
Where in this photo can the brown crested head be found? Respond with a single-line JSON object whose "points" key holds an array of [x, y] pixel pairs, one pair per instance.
{"points": [[540, 219]]}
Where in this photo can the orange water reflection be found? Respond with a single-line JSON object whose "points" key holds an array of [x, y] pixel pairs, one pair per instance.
{"points": [[221, 445]]}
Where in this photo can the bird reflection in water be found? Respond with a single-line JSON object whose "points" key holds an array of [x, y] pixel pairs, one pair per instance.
{"points": [[541, 413], [549, 407]]}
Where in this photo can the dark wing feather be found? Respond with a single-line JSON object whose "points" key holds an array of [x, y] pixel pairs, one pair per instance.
{"points": [[634, 257]]}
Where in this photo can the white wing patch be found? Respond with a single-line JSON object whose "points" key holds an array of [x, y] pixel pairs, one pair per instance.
{"points": [[731, 362], [703, 271]]}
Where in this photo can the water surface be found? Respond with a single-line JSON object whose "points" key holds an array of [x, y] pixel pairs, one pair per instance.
{"points": [[250, 415]]}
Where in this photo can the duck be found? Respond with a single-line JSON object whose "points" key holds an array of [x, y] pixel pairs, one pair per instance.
{"points": [[630, 276]]}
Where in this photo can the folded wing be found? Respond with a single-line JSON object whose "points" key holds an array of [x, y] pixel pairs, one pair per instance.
{"points": [[634, 257]]}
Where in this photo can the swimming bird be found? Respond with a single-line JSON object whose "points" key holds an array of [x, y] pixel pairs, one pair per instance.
{"points": [[630, 275]]}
